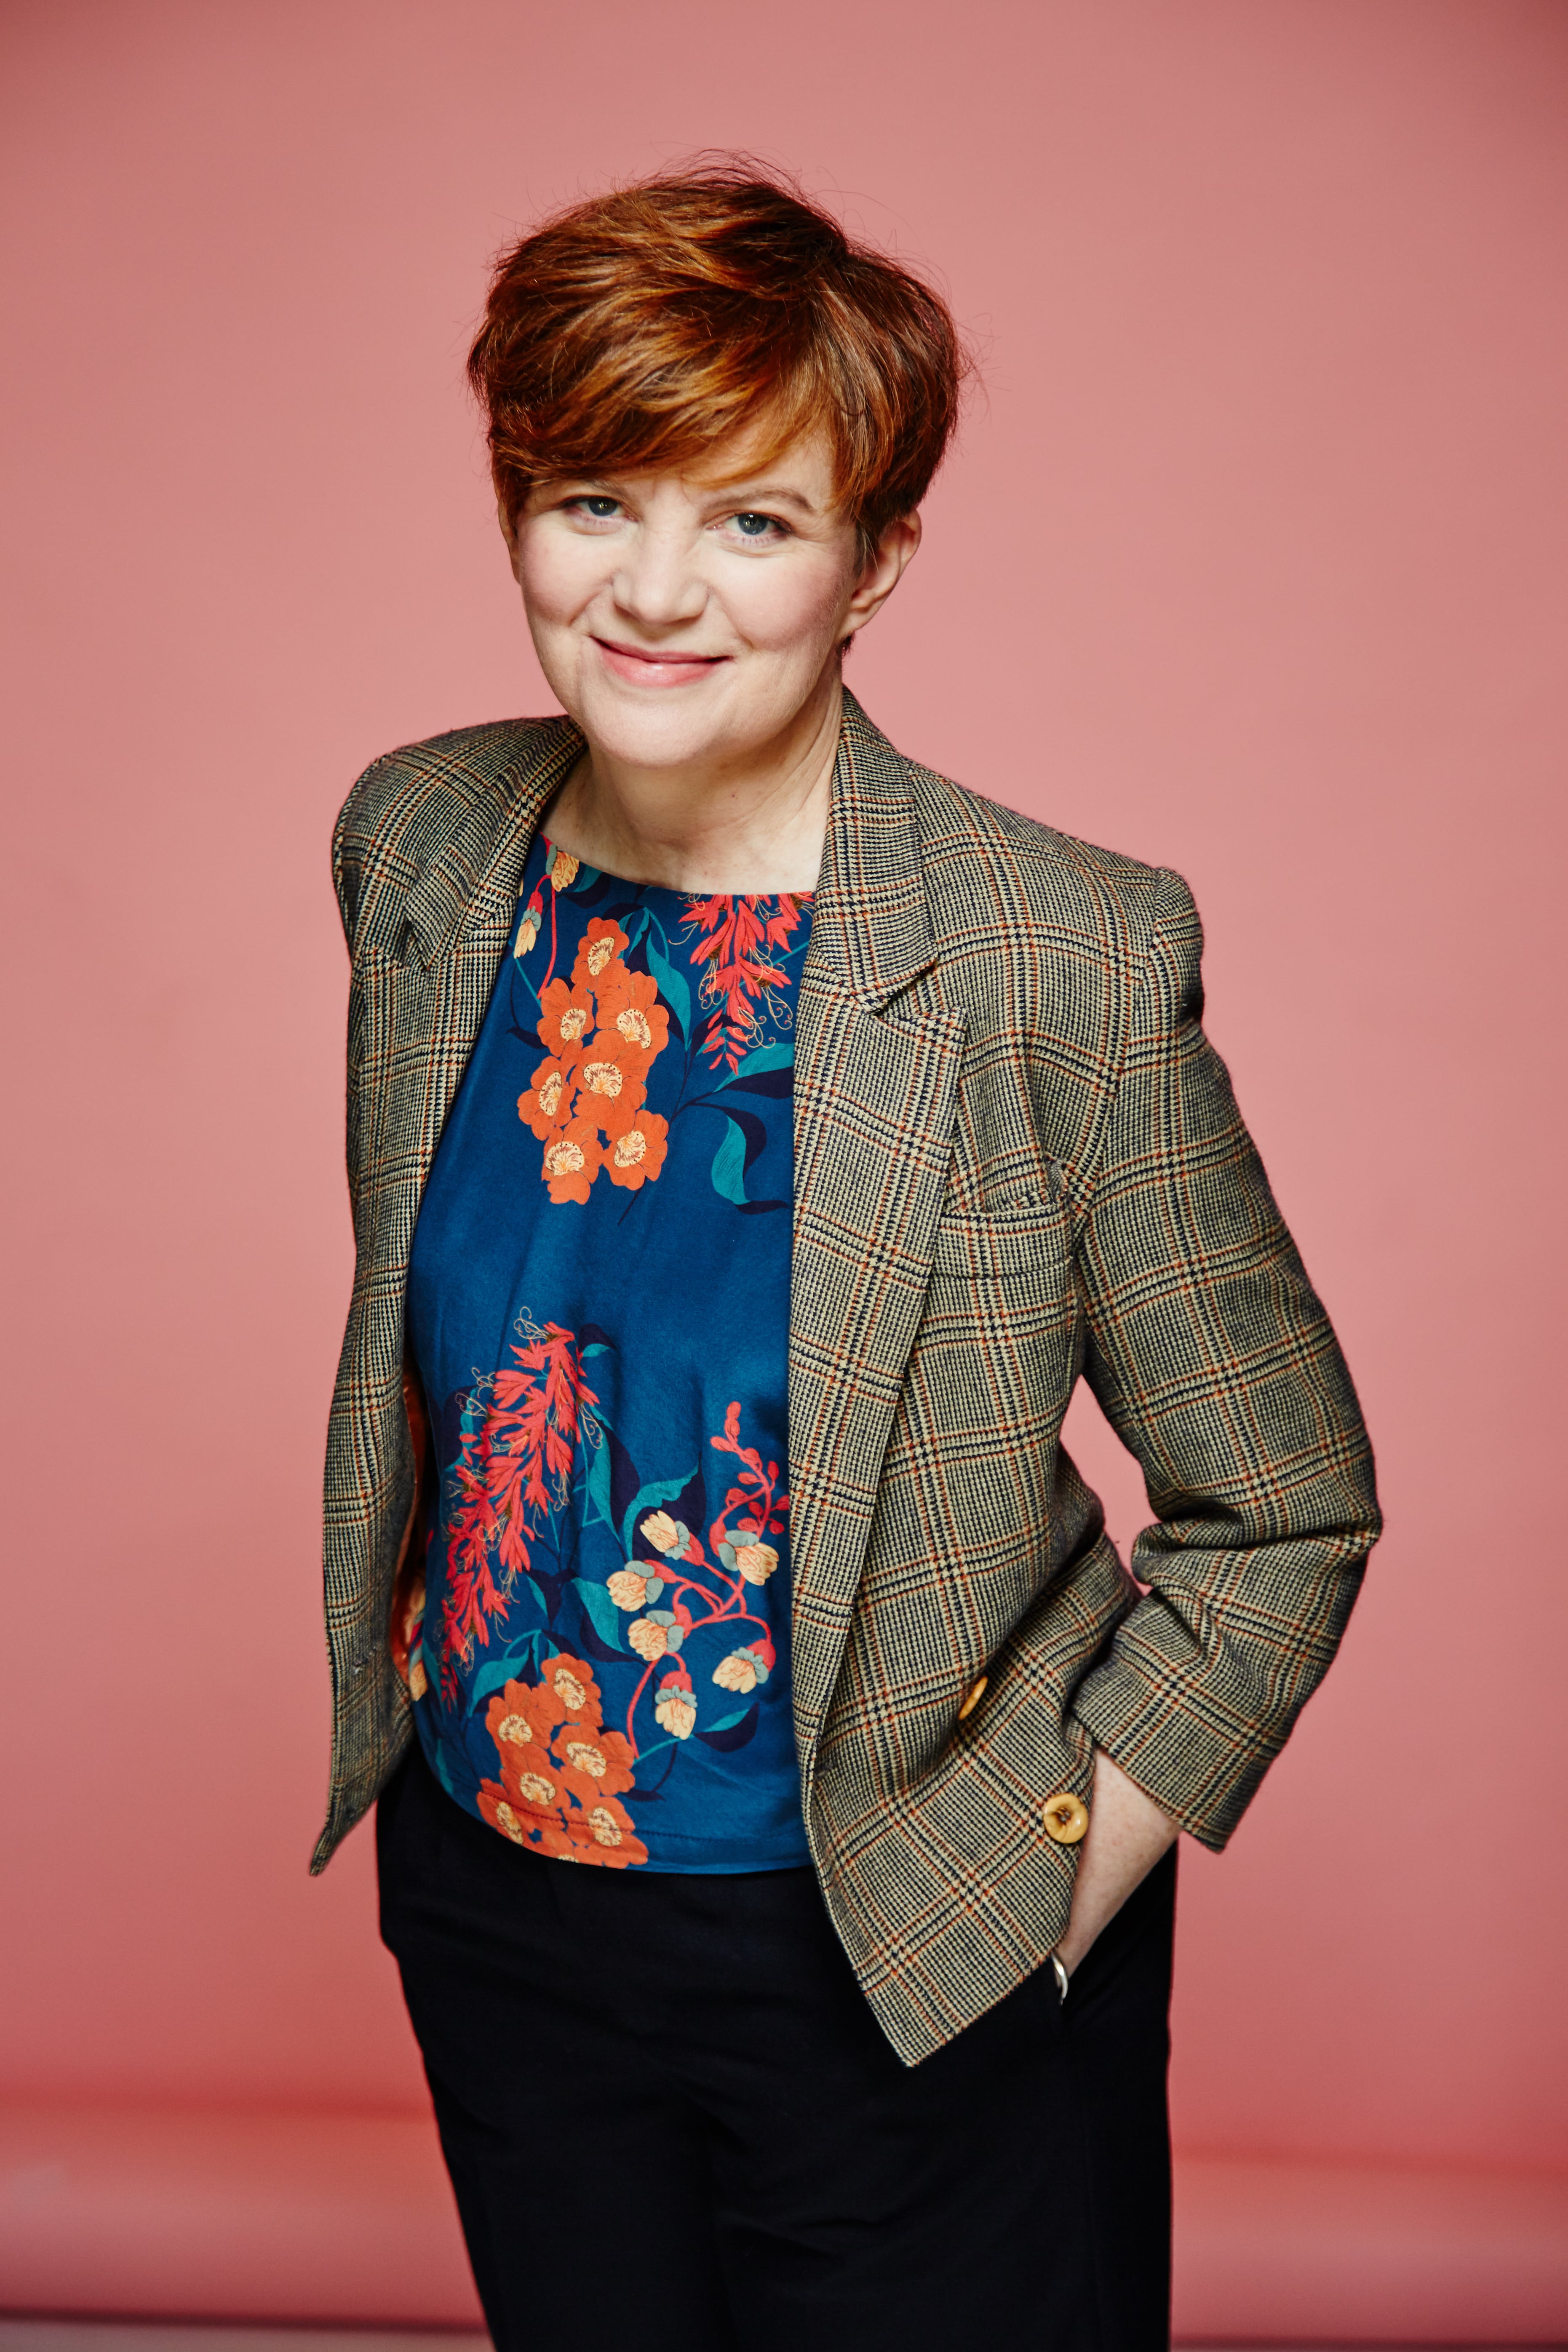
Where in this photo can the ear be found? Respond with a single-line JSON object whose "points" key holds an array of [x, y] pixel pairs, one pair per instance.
{"points": [[894, 549]]}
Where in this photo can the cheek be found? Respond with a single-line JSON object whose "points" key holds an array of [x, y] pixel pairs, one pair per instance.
{"points": [[558, 573], [791, 608]]}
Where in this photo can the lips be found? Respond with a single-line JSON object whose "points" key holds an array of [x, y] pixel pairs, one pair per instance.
{"points": [[643, 666]]}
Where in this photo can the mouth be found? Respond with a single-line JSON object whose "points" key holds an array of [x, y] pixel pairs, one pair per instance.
{"points": [[661, 666]]}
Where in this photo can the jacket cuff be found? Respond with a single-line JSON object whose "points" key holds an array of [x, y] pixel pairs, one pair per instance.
{"points": [[1203, 1772]]}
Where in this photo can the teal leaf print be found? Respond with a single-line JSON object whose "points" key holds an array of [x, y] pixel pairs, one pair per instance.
{"points": [[779, 1056], [603, 1614], [672, 986], [729, 1165], [501, 1671]]}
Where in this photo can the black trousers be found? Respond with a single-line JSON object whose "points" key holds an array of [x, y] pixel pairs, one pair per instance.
{"points": [[673, 2124]]}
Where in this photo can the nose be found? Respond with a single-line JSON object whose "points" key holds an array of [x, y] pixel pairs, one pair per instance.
{"points": [[657, 581]]}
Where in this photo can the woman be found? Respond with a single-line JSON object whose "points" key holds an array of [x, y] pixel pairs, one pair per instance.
{"points": [[752, 1135]]}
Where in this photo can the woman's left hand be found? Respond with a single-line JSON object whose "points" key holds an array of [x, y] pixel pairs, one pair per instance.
{"points": [[1127, 1834]]}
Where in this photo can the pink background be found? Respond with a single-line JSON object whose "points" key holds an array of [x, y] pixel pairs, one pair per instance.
{"points": [[1251, 562]]}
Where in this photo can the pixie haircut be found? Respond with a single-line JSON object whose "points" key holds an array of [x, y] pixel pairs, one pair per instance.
{"points": [[645, 327]]}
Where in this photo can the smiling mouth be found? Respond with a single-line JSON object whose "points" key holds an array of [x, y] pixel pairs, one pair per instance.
{"points": [[657, 665]]}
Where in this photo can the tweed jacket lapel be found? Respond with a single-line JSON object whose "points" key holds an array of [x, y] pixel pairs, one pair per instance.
{"points": [[470, 888], [876, 1065]]}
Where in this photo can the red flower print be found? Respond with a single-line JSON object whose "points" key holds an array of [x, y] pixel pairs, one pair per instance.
{"points": [[547, 1105], [734, 936], [601, 942], [510, 1471], [634, 1153], [572, 1161], [565, 1018]]}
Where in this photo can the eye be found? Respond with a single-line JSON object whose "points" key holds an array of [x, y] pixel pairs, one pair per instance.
{"points": [[595, 508], [758, 528]]}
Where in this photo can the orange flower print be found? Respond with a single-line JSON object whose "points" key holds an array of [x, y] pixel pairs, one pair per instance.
{"points": [[629, 1005], [602, 1031], [634, 1155], [602, 942], [521, 1719], [572, 1161], [664, 1533], [612, 1073], [548, 1102], [565, 1018], [606, 1836], [408, 1629], [497, 1809], [756, 1561], [571, 1683], [593, 1763], [563, 870], [649, 1641], [562, 1772]]}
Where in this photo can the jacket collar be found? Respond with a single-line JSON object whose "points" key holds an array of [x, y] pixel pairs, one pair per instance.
{"points": [[870, 911], [869, 922], [472, 878]]}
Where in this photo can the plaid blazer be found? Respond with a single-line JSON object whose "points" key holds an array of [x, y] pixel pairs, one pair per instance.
{"points": [[1018, 1159]]}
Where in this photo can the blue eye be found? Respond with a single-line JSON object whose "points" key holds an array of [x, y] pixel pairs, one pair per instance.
{"points": [[602, 510], [754, 526]]}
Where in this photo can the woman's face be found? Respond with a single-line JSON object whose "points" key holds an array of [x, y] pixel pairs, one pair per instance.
{"points": [[683, 620]]}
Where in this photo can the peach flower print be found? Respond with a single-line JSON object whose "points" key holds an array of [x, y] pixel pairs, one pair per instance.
{"points": [[631, 1586], [675, 1707]]}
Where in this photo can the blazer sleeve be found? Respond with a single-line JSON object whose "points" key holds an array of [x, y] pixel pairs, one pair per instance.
{"points": [[1214, 1362]]}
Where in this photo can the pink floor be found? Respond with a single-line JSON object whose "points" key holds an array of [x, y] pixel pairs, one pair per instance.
{"points": [[297, 2218]]}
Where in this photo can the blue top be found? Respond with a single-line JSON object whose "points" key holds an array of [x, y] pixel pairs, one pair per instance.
{"points": [[598, 1302]]}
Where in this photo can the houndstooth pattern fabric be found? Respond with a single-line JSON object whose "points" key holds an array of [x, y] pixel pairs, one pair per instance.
{"points": [[1018, 1160]]}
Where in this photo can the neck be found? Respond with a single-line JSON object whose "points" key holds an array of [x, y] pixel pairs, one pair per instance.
{"points": [[753, 824]]}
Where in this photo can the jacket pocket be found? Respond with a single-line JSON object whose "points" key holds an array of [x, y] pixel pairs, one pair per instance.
{"points": [[1027, 1246]]}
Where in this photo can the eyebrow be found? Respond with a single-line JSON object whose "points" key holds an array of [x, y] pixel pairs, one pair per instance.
{"points": [[766, 494], [762, 493]]}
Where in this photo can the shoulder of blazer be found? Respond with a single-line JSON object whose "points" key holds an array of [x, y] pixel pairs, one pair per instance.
{"points": [[986, 866], [408, 806]]}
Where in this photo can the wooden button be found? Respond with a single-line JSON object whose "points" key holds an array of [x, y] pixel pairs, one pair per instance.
{"points": [[1067, 1818], [972, 1698]]}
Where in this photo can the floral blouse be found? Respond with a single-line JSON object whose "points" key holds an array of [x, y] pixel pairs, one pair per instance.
{"points": [[599, 1308]]}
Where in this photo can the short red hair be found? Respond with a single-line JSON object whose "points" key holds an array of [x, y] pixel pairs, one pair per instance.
{"points": [[644, 327]]}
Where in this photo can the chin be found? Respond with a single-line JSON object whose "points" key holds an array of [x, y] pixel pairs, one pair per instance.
{"points": [[675, 731]]}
